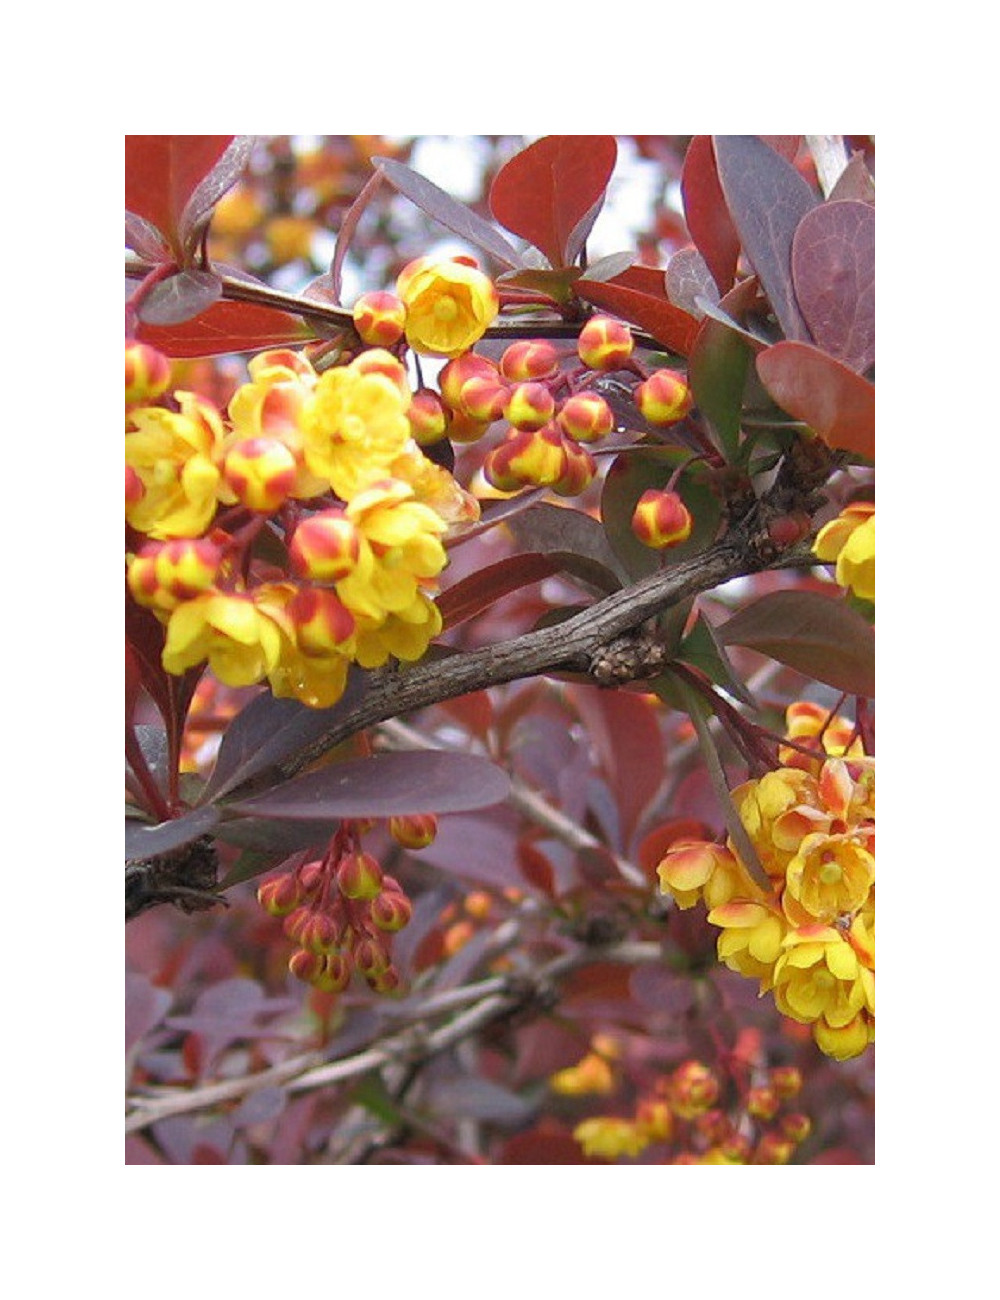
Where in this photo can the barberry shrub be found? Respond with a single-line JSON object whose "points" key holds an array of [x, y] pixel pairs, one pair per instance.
{"points": [[499, 665]]}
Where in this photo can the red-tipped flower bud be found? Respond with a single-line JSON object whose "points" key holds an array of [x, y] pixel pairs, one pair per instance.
{"points": [[661, 519], [763, 1103], [586, 417], [605, 343], [147, 373], [379, 318], [529, 406], [579, 470], [529, 359], [323, 625], [663, 398], [414, 831], [428, 418], [325, 547], [306, 966], [279, 895], [359, 876], [260, 472], [371, 957], [786, 1080], [391, 911]]}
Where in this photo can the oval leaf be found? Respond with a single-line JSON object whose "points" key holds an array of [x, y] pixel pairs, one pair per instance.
{"points": [[227, 327], [483, 588], [705, 212], [818, 636], [147, 841], [833, 267], [161, 174], [834, 401], [268, 730], [451, 214], [767, 198], [546, 191], [385, 785], [180, 298], [210, 189], [688, 278]]}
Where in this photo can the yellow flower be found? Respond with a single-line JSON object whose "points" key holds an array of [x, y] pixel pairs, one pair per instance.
{"points": [[610, 1138], [693, 871], [238, 639], [820, 980], [175, 455], [751, 938], [403, 635], [806, 722], [830, 875], [400, 552], [592, 1074], [354, 425], [449, 302], [850, 541], [270, 405]]}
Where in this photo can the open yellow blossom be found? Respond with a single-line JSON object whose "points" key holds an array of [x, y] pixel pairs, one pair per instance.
{"points": [[592, 1074], [820, 980], [610, 1138], [228, 629], [449, 302], [270, 405], [354, 426], [175, 455], [850, 541]]}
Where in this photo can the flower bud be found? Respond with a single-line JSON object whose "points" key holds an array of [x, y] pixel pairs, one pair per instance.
{"points": [[323, 625], [147, 373], [693, 1088], [471, 385], [325, 547], [663, 398], [579, 470], [359, 876], [773, 1149], [605, 343], [306, 966], [377, 361], [371, 957], [786, 1080], [134, 488], [279, 895], [661, 519], [387, 981], [261, 472], [311, 876], [795, 1126], [391, 910], [529, 406], [379, 318], [586, 417], [529, 359], [763, 1103], [535, 456], [336, 972], [187, 565], [414, 831], [319, 933], [463, 428], [428, 418]]}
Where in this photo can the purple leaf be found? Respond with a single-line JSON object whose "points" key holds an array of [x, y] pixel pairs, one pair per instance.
{"points": [[833, 266], [144, 841], [816, 635], [180, 298], [268, 730], [767, 198], [384, 785], [145, 1007], [576, 539], [448, 211], [688, 278], [210, 189], [346, 232], [144, 238]]}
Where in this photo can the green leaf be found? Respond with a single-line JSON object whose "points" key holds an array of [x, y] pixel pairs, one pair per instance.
{"points": [[817, 635]]}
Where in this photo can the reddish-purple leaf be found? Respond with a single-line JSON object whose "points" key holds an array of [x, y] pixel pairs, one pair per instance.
{"points": [[836, 403], [767, 198], [384, 785], [227, 327], [817, 635], [180, 298], [546, 191], [269, 730], [209, 190], [688, 279], [625, 734], [655, 314], [706, 215], [144, 841], [347, 228], [576, 540], [786, 145], [485, 587], [448, 211], [162, 172], [144, 239], [833, 267]]}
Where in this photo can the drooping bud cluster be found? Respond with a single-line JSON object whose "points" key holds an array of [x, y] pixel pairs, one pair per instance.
{"points": [[686, 1118], [809, 938], [341, 911]]}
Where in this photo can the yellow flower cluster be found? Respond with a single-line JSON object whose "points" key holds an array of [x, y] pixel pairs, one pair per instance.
{"points": [[809, 939], [327, 463]]}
